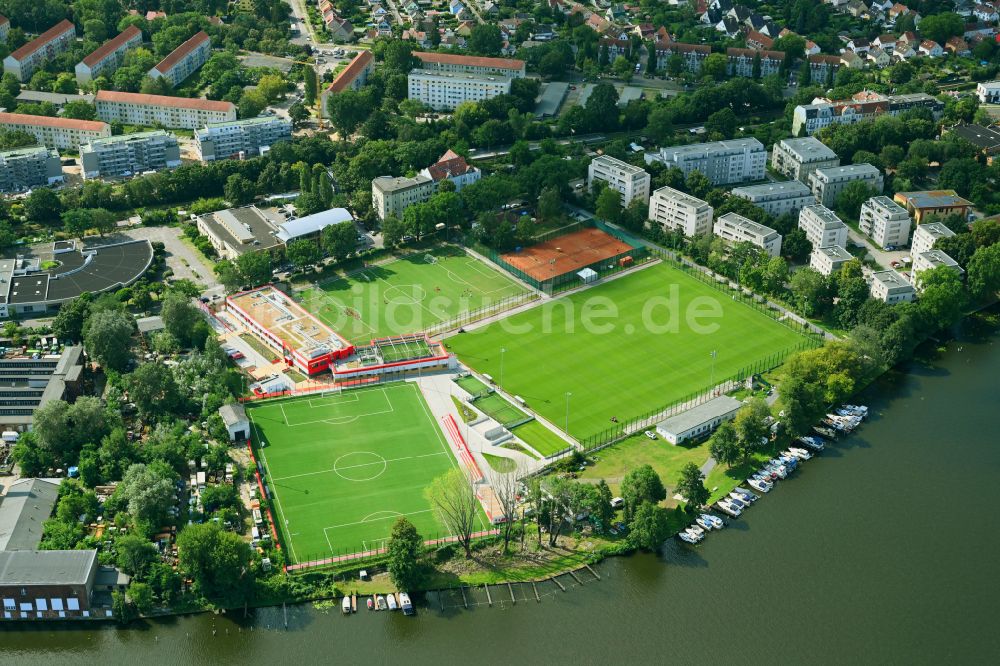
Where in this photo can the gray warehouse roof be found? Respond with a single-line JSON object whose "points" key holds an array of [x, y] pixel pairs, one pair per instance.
{"points": [[23, 510], [703, 413], [46, 567]]}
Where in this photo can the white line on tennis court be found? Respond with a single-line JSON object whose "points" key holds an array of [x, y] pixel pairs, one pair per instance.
{"points": [[377, 462]]}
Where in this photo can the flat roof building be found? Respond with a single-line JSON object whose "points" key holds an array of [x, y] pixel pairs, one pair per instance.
{"points": [[58, 100], [443, 90], [130, 154], [25, 168], [31, 383], [631, 182], [827, 184], [777, 198], [391, 195], [448, 62], [237, 231], [183, 61], [928, 203], [926, 235], [829, 259], [105, 59], [891, 287], [822, 226], [163, 110], [736, 229], [797, 158], [931, 259], [673, 209], [58, 133], [31, 57], [698, 421], [985, 139], [885, 222], [722, 162], [26, 506], [241, 139]]}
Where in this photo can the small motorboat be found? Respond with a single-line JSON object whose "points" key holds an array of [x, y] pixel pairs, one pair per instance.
{"points": [[405, 603], [737, 501], [801, 454], [860, 410], [768, 474], [391, 600], [703, 523], [346, 606], [746, 494], [686, 538], [778, 468], [714, 521], [825, 432], [380, 603], [728, 508], [697, 531], [812, 443], [371, 604], [760, 485]]}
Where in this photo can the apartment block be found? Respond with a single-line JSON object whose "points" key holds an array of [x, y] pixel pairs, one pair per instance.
{"points": [[58, 133], [736, 229], [170, 112], [28, 59], [673, 209], [722, 162], [130, 154], [629, 181], [184, 60], [810, 118], [797, 158], [885, 222], [241, 138], [891, 287], [24, 168], [447, 62], [108, 57], [740, 62], [988, 92], [4, 28], [444, 90], [391, 195], [692, 55], [351, 77], [822, 226], [777, 198], [827, 184], [928, 260], [830, 259], [926, 235]]}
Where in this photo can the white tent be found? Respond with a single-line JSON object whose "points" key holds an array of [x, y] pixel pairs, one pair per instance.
{"points": [[588, 275]]}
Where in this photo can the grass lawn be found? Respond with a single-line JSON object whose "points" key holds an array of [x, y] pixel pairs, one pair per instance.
{"points": [[344, 467], [540, 438], [408, 295], [259, 347], [648, 334], [502, 465], [471, 385], [616, 461]]}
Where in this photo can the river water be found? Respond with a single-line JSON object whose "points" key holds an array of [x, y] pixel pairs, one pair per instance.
{"points": [[883, 549]]}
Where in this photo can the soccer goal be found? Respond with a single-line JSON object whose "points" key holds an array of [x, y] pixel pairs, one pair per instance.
{"points": [[430, 259]]}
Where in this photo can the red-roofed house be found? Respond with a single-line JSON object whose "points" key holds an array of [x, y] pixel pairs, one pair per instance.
{"points": [[351, 77], [741, 61], [446, 62], [108, 57], [184, 60], [171, 112], [758, 40], [452, 166], [4, 28], [28, 59], [58, 133]]}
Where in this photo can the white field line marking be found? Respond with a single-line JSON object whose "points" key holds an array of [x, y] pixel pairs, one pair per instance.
{"points": [[274, 490], [341, 420], [365, 520], [337, 469]]}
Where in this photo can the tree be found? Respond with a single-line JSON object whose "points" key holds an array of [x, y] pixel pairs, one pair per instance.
{"points": [[609, 205], [851, 198], [942, 298], [602, 107], [454, 501], [660, 124], [725, 445], [485, 39], [984, 271], [339, 240], [648, 527], [239, 190], [134, 555], [68, 322], [79, 110], [811, 291], [723, 122], [403, 553], [715, 66], [217, 561], [393, 231], [153, 389], [254, 267], [43, 206], [108, 337], [550, 203], [349, 108], [752, 425], [940, 27], [692, 486], [641, 484], [141, 596], [302, 253], [147, 492], [180, 317]]}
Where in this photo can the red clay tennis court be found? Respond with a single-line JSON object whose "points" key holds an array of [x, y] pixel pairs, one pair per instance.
{"points": [[566, 254]]}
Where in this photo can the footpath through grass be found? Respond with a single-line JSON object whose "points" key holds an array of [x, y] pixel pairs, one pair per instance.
{"points": [[649, 342]]}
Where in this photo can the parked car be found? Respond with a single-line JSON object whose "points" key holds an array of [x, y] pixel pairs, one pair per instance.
{"points": [[650, 434]]}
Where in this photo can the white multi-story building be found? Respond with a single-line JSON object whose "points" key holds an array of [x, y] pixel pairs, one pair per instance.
{"points": [[722, 162], [673, 209], [988, 92], [391, 196], [925, 261], [926, 235], [827, 184], [735, 228], [444, 90], [885, 221], [891, 287], [241, 139], [810, 118], [629, 181], [108, 57], [28, 59], [448, 62], [184, 60], [351, 77], [58, 133], [777, 198], [130, 154], [822, 226], [830, 259], [24, 168], [797, 158], [170, 112]]}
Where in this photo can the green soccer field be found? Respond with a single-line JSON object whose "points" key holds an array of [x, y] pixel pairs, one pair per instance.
{"points": [[408, 295], [343, 467], [621, 366]]}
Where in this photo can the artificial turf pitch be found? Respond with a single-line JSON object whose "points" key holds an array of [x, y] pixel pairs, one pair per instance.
{"points": [[629, 369], [408, 295], [342, 467]]}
